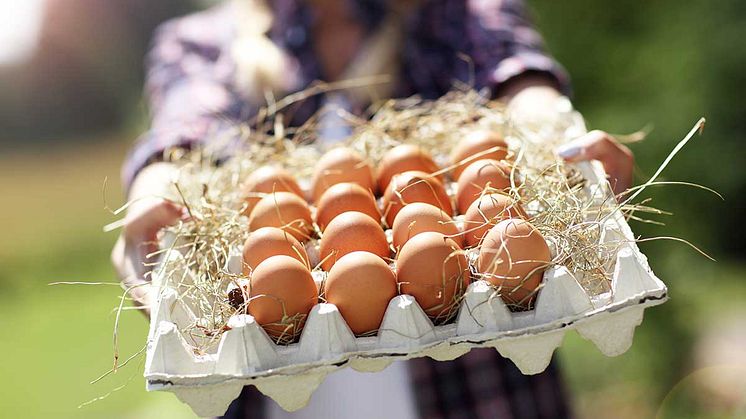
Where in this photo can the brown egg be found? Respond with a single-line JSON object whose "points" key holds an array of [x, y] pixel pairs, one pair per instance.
{"points": [[268, 179], [474, 143], [282, 293], [419, 217], [513, 257], [342, 165], [403, 158], [349, 232], [271, 241], [487, 211], [408, 187], [361, 285], [283, 210], [433, 269], [344, 197], [478, 176]]}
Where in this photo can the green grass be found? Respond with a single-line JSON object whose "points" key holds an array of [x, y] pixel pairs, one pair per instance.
{"points": [[657, 370], [56, 339]]}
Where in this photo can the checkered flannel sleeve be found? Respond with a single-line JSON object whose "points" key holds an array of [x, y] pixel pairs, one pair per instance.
{"points": [[503, 43], [188, 88], [481, 385]]}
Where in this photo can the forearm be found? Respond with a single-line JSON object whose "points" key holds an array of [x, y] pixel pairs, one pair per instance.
{"points": [[147, 213], [532, 86], [535, 98], [189, 97], [154, 180], [530, 90]]}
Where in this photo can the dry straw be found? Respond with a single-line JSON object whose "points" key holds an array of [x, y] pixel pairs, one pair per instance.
{"points": [[558, 200]]}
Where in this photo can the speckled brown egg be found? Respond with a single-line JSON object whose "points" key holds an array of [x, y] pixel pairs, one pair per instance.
{"points": [[340, 165], [477, 142], [361, 285], [349, 232], [480, 175], [403, 158], [284, 210], [433, 269], [513, 258], [344, 197], [408, 187], [487, 211], [282, 293], [265, 180], [271, 241], [420, 217]]}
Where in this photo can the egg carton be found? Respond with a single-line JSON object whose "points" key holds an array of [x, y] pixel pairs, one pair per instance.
{"points": [[290, 374]]}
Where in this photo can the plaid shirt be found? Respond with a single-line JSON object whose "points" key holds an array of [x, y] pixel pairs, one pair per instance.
{"points": [[190, 84], [478, 385], [192, 95]]}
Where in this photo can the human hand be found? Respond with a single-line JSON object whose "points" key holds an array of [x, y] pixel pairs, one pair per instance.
{"points": [[148, 213], [617, 160], [530, 97]]}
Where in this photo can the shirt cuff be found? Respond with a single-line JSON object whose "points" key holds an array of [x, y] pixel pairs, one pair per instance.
{"points": [[156, 144], [530, 61]]}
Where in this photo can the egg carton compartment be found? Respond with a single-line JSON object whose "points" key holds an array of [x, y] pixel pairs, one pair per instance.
{"points": [[289, 374]]}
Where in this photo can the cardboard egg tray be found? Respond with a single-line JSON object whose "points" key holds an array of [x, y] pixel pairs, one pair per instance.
{"points": [[290, 374]]}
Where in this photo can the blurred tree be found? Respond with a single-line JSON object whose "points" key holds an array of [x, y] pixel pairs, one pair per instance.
{"points": [[665, 63], [86, 73]]}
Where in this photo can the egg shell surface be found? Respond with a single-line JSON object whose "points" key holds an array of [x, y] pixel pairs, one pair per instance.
{"points": [[474, 143], [349, 232], [419, 217], [487, 211], [344, 197], [433, 269], [513, 257], [414, 186], [283, 210], [403, 158], [268, 179], [478, 176], [340, 165], [361, 285], [271, 241], [282, 293]]}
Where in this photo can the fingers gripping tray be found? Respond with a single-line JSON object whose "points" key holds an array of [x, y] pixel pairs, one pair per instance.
{"points": [[289, 374]]}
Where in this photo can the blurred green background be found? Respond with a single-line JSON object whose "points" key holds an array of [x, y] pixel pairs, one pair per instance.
{"points": [[70, 106]]}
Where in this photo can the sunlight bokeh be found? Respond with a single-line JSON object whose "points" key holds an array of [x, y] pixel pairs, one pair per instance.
{"points": [[20, 25]]}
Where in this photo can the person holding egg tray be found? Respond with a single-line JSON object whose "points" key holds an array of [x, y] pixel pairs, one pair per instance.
{"points": [[213, 69]]}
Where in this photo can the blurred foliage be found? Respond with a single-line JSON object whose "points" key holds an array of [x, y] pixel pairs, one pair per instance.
{"points": [[86, 74], [58, 338], [665, 64]]}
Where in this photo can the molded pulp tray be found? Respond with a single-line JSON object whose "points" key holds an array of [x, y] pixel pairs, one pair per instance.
{"points": [[290, 374]]}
